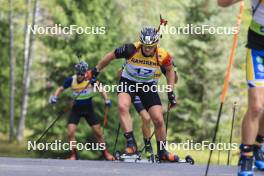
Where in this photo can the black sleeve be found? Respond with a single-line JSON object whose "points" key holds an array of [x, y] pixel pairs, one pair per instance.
{"points": [[125, 51], [67, 83], [163, 70]]}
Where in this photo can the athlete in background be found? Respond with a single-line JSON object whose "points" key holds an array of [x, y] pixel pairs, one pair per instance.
{"points": [[82, 106]]}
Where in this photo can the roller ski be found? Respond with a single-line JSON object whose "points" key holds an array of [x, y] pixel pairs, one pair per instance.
{"points": [[130, 158], [166, 157], [130, 154], [134, 158]]}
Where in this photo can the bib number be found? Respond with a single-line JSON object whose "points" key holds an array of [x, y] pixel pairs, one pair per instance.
{"points": [[143, 71]]}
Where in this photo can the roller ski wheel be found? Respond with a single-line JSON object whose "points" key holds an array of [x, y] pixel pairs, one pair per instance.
{"points": [[152, 158], [188, 159], [117, 155], [149, 155]]}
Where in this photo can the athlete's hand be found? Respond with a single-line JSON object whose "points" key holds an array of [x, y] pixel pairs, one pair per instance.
{"points": [[53, 99], [172, 98], [95, 73], [108, 103]]}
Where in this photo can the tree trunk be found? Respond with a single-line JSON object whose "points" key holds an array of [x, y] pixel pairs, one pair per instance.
{"points": [[28, 43], [12, 65]]}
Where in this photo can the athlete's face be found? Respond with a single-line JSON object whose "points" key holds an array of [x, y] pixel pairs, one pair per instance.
{"points": [[80, 77], [149, 50]]}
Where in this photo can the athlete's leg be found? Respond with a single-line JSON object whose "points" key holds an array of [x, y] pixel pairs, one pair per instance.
{"points": [[255, 79], [261, 126], [125, 96], [152, 103], [94, 122], [160, 132], [250, 128], [144, 116], [156, 114], [145, 123], [97, 130], [252, 119], [100, 139], [146, 120], [124, 102], [73, 121], [71, 138], [260, 136], [71, 132]]}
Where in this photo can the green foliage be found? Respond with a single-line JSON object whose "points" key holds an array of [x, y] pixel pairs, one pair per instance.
{"points": [[198, 78]]}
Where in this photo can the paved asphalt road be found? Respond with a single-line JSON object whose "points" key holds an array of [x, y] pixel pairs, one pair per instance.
{"points": [[55, 167]]}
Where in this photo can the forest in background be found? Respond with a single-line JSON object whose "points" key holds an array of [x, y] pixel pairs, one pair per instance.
{"points": [[33, 66]]}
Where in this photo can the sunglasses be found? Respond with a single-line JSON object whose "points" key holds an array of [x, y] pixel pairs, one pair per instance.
{"points": [[80, 74], [150, 46]]}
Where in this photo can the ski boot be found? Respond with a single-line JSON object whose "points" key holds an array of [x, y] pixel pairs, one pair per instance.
{"points": [[259, 157], [131, 148], [245, 166], [167, 156], [73, 155], [131, 154]]}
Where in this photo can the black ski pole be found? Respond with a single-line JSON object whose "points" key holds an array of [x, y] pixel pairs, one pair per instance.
{"points": [[219, 152], [214, 137], [53, 122], [231, 133], [167, 118], [117, 135]]}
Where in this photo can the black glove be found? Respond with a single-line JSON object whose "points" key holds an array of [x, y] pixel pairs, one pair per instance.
{"points": [[172, 98], [95, 73]]}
